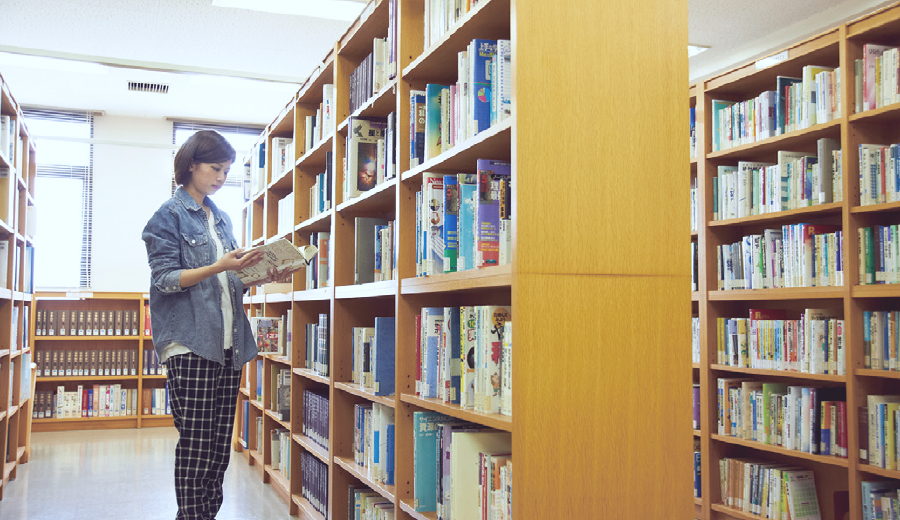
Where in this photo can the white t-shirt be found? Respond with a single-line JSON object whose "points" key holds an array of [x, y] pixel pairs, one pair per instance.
{"points": [[175, 348]]}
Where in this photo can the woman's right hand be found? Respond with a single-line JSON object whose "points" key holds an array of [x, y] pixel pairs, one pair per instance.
{"points": [[238, 259]]}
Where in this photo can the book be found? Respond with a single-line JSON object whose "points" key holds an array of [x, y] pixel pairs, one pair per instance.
{"points": [[417, 122], [383, 358], [433, 120], [425, 456], [450, 220], [364, 240], [362, 155], [432, 223], [467, 184], [480, 52], [465, 448], [487, 211], [280, 254]]}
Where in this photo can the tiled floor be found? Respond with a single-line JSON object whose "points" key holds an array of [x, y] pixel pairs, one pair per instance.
{"points": [[121, 475]]}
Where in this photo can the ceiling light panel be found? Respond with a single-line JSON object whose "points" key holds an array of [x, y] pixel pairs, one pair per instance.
{"points": [[346, 10]]}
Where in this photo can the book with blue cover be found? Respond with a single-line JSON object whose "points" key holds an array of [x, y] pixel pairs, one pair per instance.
{"points": [[425, 457], [417, 111], [433, 116], [490, 185], [384, 356], [465, 233], [450, 355], [481, 52], [434, 322], [451, 218]]}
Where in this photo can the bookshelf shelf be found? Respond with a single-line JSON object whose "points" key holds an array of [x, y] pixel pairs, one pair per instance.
{"points": [[733, 513], [885, 374], [697, 433], [311, 446], [285, 181], [3, 415], [308, 510], [15, 354], [278, 297], [87, 338], [875, 291], [359, 391], [316, 156], [366, 290], [698, 501], [5, 294], [695, 296], [380, 105], [256, 404], [463, 156], [8, 469], [473, 279], [801, 139], [154, 377], [131, 418], [320, 222], [379, 198], [350, 466], [284, 424], [881, 472], [323, 294], [51, 379], [12, 410], [886, 207], [406, 505], [256, 456], [787, 374], [357, 41], [245, 392], [496, 421], [281, 485], [885, 114], [834, 461], [488, 21], [309, 374], [782, 217], [790, 293]]}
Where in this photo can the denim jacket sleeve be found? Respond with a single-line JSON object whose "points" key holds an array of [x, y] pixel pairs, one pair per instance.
{"points": [[161, 236]]}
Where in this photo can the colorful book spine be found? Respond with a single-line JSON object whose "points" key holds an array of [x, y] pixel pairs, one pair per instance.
{"points": [[487, 216], [451, 222]]}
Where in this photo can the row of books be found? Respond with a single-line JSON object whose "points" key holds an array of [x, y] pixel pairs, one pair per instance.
{"points": [[86, 363], [695, 258], [798, 255], [463, 221], [314, 482], [454, 113], [285, 214], [256, 171], [318, 346], [369, 160], [100, 401], [461, 470], [876, 76], [879, 255], [280, 391], [879, 174], [366, 504], [372, 74], [280, 443], [698, 487], [769, 490], [72, 322], [881, 338], [767, 340], [695, 339], [796, 104], [807, 419], [695, 399], [282, 156], [318, 273], [375, 250], [464, 357], [695, 206], [8, 137], [441, 16], [693, 132], [315, 417], [23, 366], [373, 441], [373, 356], [319, 126], [883, 419], [320, 192], [797, 180], [880, 500], [273, 334]]}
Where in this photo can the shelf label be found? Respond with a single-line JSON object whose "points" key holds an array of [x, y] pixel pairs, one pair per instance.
{"points": [[772, 60]]}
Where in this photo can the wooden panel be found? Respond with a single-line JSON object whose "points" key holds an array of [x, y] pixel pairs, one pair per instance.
{"points": [[593, 178], [615, 401]]}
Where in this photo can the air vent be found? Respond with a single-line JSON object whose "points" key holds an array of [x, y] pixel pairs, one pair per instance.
{"points": [[158, 88]]}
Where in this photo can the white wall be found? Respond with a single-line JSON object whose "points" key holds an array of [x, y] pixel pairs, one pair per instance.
{"points": [[132, 177]]}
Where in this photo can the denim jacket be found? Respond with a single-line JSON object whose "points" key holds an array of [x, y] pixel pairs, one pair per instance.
{"points": [[177, 238]]}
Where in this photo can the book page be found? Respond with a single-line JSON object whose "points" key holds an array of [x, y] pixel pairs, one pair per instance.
{"points": [[281, 254]]}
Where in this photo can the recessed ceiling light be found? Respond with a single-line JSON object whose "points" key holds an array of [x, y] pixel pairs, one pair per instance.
{"points": [[57, 64], [694, 50], [346, 10]]}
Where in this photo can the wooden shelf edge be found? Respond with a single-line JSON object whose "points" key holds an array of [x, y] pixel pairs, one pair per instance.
{"points": [[788, 293], [876, 208], [435, 162], [315, 219], [307, 508], [881, 472], [373, 100], [486, 277], [734, 513], [831, 207], [781, 373], [406, 505], [387, 185], [869, 372], [90, 419], [875, 291], [823, 459], [867, 115], [388, 492], [496, 421], [309, 374], [275, 418], [366, 290], [359, 391], [312, 295], [311, 446]]}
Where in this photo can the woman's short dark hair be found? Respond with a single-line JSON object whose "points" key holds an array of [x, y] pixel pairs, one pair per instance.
{"points": [[205, 146]]}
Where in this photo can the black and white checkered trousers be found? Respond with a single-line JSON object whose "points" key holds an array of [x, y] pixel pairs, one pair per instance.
{"points": [[202, 394]]}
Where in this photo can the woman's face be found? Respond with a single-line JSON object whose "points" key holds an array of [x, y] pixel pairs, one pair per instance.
{"points": [[207, 178]]}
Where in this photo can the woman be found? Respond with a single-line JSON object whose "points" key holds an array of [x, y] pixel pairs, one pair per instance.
{"points": [[200, 330]]}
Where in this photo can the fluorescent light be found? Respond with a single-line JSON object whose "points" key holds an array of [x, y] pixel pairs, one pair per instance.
{"points": [[234, 82], [346, 10], [56, 64], [694, 50]]}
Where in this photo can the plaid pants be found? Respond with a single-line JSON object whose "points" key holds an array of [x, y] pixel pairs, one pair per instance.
{"points": [[203, 396]]}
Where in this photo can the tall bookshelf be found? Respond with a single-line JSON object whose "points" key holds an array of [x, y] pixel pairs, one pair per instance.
{"points": [[17, 213], [838, 480], [141, 344], [595, 305]]}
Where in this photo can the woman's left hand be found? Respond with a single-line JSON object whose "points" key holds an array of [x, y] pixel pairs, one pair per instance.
{"points": [[276, 276]]}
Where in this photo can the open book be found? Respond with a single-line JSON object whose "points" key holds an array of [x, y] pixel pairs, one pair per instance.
{"points": [[281, 254]]}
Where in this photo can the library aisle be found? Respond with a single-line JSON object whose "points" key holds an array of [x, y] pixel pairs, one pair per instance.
{"points": [[120, 475]]}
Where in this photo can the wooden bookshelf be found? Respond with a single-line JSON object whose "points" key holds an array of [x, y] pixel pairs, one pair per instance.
{"points": [[837, 479], [17, 374], [118, 341], [581, 289]]}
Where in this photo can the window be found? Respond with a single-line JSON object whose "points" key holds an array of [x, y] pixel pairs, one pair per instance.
{"points": [[230, 198], [64, 186]]}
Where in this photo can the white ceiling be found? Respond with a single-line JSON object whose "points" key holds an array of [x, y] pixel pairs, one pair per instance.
{"points": [[199, 50]]}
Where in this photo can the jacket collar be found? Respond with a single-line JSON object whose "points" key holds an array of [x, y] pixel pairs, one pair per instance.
{"points": [[182, 195]]}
